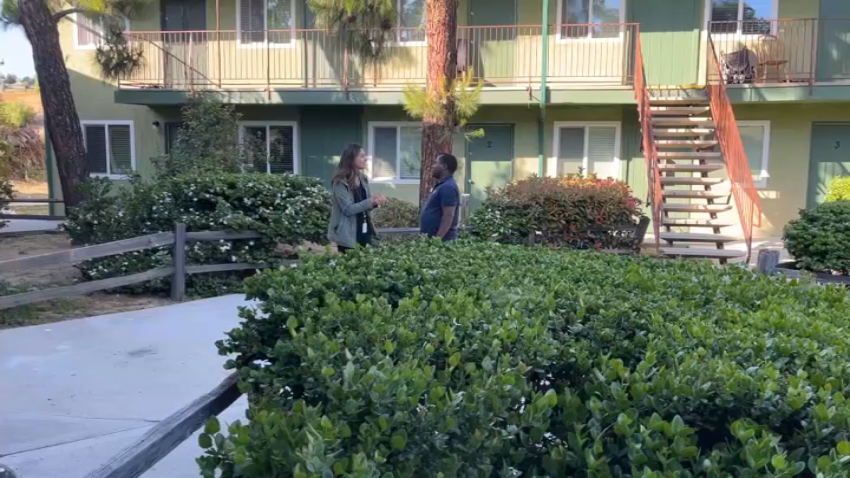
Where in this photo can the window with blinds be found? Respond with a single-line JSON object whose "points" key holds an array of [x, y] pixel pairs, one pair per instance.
{"points": [[591, 18], [588, 148], [756, 138], [270, 148], [411, 19], [109, 148], [396, 151], [266, 21], [89, 29]]}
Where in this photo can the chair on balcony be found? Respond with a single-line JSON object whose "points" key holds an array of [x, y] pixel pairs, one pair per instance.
{"points": [[771, 54]]}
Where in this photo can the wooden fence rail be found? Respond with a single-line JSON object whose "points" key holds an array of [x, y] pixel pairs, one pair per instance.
{"points": [[178, 270]]}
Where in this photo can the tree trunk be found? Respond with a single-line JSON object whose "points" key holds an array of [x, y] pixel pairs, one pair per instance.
{"points": [[62, 121], [438, 131]]}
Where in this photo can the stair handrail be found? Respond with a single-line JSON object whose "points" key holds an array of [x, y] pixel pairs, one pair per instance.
{"points": [[734, 155], [654, 199]]}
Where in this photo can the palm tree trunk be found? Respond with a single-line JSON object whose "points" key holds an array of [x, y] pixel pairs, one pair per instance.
{"points": [[62, 121], [437, 130]]}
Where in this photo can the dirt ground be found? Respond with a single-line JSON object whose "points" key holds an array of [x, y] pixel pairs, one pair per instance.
{"points": [[15, 247], [30, 189]]}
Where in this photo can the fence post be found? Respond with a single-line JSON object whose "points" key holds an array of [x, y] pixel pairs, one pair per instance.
{"points": [[178, 256], [767, 261]]}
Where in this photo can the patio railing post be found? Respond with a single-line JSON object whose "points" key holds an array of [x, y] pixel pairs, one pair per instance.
{"points": [[178, 280]]}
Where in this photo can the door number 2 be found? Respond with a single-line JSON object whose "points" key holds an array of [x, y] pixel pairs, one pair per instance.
{"points": [[838, 145], [489, 144]]}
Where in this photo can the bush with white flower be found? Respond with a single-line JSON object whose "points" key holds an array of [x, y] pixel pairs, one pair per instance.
{"points": [[6, 193], [284, 209]]}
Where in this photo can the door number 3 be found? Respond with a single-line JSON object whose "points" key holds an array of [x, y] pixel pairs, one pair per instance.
{"points": [[838, 145], [489, 144]]}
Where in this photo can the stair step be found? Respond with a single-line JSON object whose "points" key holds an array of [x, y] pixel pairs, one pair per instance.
{"points": [[684, 121], [695, 237], [684, 143], [682, 132], [690, 222], [690, 168], [692, 194], [712, 208], [673, 180], [679, 110], [705, 253], [690, 155]]}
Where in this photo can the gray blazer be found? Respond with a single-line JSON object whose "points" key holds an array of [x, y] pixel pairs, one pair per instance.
{"points": [[343, 227]]}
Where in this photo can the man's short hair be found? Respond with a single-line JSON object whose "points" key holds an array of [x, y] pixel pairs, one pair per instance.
{"points": [[449, 161]]}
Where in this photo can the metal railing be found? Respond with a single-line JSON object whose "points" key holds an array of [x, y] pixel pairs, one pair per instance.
{"points": [[734, 155], [650, 153], [780, 51], [495, 56]]}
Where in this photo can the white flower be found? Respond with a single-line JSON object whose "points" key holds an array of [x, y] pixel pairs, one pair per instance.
{"points": [[262, 363]]}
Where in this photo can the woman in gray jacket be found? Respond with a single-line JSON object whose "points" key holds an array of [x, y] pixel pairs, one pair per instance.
{"points": [[351, 201]]}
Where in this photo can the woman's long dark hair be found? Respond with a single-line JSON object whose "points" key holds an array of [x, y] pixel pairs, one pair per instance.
{"points": [[346, 170]]}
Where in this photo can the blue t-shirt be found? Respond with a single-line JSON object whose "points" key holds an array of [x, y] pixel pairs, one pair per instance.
{"points": [[445, 194]]}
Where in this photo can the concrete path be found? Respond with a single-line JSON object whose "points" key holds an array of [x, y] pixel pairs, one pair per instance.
{"points": [[75, 393]]}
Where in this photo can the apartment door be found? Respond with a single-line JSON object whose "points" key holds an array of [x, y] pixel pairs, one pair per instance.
{"points": [[834, 41], [186, 59], [830, 157], [492, 40], [489, 161], [670, 39]]}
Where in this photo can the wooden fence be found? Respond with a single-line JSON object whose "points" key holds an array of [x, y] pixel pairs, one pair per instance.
{"points": [[177, 271], [44, 217]]}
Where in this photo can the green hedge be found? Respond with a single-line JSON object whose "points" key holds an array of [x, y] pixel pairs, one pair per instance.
{"points": [[486, 360], [820, 238], [284, 209], [6, 193]]}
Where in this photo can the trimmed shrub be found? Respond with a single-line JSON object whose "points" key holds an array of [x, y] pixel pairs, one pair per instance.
{"points": [[285, 209], [839, 190], [480, 359], [396, 213], [820, 238], [570, 211]]}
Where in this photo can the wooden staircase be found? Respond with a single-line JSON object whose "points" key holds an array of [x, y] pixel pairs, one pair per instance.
{"points": [[694, 189]]}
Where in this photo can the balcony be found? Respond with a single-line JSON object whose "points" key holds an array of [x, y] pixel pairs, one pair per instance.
{"points": [[780, 52], [497, 57]]}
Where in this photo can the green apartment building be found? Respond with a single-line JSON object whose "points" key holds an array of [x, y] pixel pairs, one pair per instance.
{"points": [[556, 97]]}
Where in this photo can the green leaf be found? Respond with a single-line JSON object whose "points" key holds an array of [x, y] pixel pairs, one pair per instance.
{"points": [[399, 440], [205, 441], [454, 360], [843, 448], [778, 462], [212, 426]]}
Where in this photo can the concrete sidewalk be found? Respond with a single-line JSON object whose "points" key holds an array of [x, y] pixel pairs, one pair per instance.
{"points": [[23, 226], [75, 393]]}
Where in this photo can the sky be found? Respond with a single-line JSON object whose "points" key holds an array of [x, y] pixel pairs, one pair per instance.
{"points": [[15, 51]]}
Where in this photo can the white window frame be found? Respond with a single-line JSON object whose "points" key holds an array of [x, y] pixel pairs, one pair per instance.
{"points": [[761, 181], [97, 32], [774, 15], [265, 43], [106, 124], [296, 151], [389, 124], [399, 41], [618, 129], [564, 39]]}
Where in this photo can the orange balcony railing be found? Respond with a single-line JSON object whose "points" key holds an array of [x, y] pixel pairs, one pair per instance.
{"points": [[650, 153], [734, 155], [497, 56], [783, 51]]}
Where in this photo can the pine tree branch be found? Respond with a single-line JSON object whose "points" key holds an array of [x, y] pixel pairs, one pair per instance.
{"points": [[64, 13]]}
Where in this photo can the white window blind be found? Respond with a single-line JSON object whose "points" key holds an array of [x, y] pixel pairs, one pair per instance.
{"points": [[90, 28], [587, 149], [396, 152], [756, 139], [109, 148]]}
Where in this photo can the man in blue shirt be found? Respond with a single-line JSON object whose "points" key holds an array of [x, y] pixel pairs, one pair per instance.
{"points": [[440, 214]]}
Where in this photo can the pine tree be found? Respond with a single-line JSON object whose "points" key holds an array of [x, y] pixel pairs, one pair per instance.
{"points": [[365, 26], [40, 21]]}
